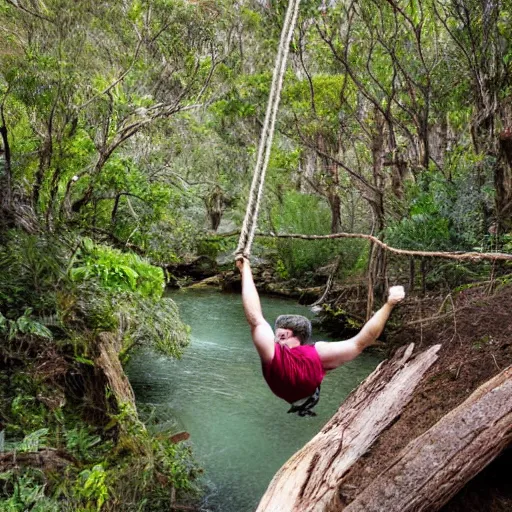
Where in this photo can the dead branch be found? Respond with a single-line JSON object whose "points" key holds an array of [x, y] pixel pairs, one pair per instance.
{"points": [[47, 459], [453, 255]]}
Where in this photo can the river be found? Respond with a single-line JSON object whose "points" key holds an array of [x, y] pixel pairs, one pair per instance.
{"points": [[240, 432]]}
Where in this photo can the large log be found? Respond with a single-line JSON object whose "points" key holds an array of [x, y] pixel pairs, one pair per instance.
{"points": [[435, 466], [309, 480]]}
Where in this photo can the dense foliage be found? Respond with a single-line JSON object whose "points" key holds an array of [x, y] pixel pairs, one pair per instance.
{"points": [[53, 392], [128, 133]]}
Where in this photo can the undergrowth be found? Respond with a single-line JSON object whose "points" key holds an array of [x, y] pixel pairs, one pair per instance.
{"points": [[56, 299]]}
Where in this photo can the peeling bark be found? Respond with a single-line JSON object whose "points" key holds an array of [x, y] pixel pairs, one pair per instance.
{"points": [[108, 362], [435, 466]]}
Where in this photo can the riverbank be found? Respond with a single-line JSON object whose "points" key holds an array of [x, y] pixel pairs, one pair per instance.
{"points": [[473, 326]]}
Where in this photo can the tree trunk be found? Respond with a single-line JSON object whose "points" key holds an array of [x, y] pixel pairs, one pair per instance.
{"points": [[15, 210], [45, 160], [309, 480], [503, 183], [332, 180], [435, 466], [412, 273], [377, 265], [5, 171], [215, 207], [113, 215], [397, 163], [108, 363], [334, 201]]}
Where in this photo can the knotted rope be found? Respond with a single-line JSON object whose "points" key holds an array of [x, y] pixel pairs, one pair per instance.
{"points": [[267, 134]]}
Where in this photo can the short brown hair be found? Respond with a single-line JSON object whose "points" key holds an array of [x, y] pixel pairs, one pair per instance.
{"points": [[298, 324]]}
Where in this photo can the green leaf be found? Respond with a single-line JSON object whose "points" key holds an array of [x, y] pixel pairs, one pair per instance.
{"points": [[33, 441], [84, 360]]}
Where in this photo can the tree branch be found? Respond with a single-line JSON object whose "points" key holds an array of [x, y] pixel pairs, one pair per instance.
{"points": [[21, 7], [115, 82], [453, 255]]}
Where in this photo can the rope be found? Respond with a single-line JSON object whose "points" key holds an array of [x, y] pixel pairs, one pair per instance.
{"points": [[460, 255], [256, 191]]}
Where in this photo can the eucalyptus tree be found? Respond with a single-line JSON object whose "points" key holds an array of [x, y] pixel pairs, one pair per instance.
{"points": [[479, 33], [389, 50], [84, 84]]}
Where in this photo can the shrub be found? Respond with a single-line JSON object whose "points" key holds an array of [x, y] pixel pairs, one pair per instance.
{"points": [[117, 271], [53, 303], [445, 214], [26, 491]]}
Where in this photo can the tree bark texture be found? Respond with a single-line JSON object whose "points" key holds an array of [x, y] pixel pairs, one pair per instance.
{"points": [[46, 459], [503, 182], [309, 480], [5, 170], [436, 465], [108, 362]]}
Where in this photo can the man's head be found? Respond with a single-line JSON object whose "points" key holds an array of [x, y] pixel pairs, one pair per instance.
{"points": [[292, 326]]}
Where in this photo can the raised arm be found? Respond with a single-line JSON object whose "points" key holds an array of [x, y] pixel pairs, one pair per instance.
{"points": [[334, 354], [262, 334]]}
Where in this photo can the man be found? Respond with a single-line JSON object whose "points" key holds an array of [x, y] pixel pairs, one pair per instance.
{"points": [[292, 366]]}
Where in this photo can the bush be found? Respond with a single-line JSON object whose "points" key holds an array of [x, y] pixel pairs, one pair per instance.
{"points": [[117, 271], [156, 324], [32, 268], [425, 228], [445, 214], [19, 493], [53, 303]]}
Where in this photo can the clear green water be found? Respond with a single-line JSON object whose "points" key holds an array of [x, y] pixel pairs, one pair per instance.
{"points": [[240, 432]]}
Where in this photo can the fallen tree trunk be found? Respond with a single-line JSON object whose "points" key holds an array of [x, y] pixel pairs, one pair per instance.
{"points": [[310, 479], [436, 465], [46, 459]]}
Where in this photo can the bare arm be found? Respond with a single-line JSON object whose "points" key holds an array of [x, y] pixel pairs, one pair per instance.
{"points": [[262, 334], [334, 354]]}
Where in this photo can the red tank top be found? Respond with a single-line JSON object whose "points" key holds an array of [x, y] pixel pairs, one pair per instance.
{"points": [[294, 373]]}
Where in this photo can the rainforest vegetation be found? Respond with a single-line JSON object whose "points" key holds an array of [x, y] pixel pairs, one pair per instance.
{"points": [[128, 136]]}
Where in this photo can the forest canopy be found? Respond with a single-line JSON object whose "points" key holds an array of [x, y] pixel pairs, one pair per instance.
{"points": [[128, 134]]}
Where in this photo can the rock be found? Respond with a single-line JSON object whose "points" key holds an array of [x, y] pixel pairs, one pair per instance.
{"points": [[208, 282], [231, 282], [196, 270]]}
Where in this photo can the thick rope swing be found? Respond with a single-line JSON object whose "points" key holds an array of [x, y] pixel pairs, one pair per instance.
{"points": [[267, 134]]}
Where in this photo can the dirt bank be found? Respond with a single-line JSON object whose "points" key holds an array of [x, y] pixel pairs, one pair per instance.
{"points": [[475, 330]]}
